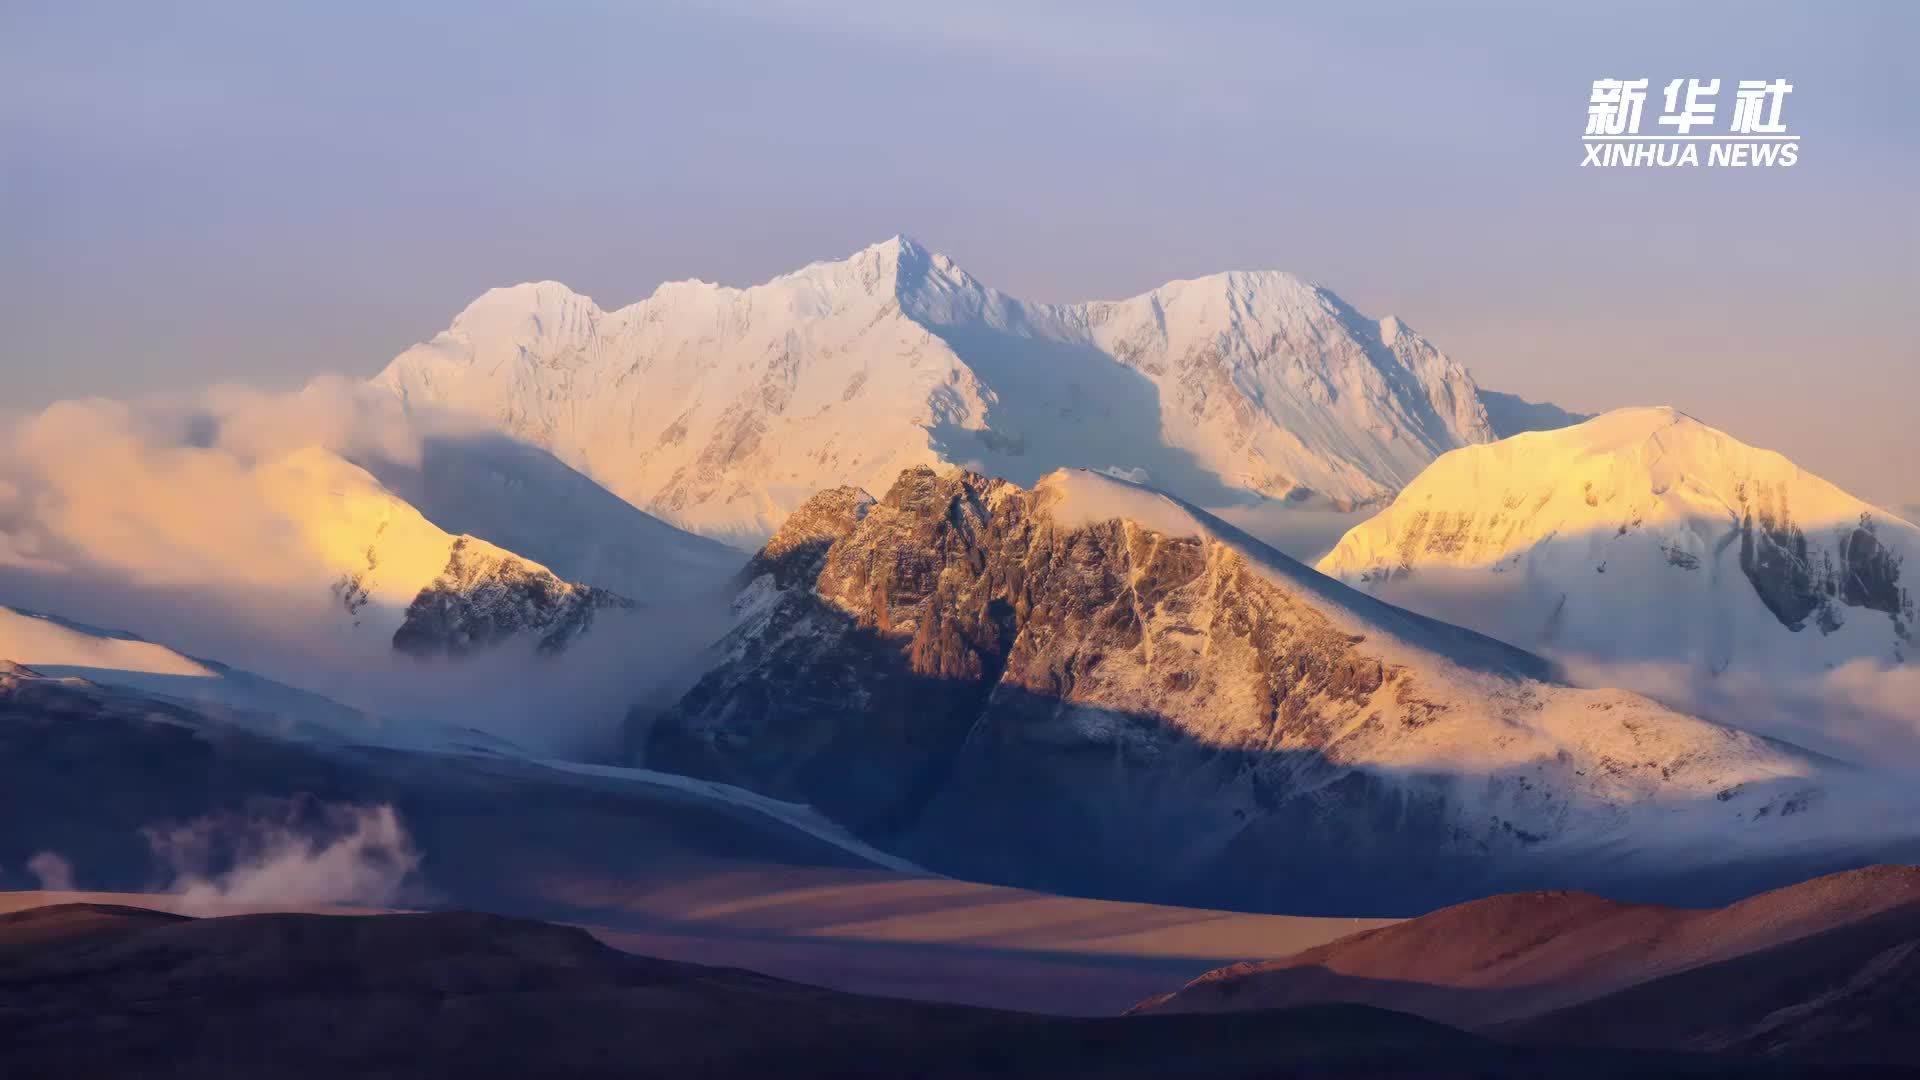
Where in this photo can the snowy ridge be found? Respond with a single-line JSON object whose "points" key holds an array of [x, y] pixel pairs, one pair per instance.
{"points": [[51, 647], [1573, 740], [798, 815], [722, 409]]}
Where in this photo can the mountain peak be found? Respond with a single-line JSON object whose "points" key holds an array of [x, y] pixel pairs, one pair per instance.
{"points": [[529, 309], [1650, 429], [1647, 548], [898, 245], [719, 408]]}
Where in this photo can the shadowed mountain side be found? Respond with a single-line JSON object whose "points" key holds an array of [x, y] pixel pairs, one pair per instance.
{"points": [[1489, 962], [524, 499], [1066, 404], [492, 829], [1511, 414], [921, 769], [688, 876], [977, 780], [462, 994]]}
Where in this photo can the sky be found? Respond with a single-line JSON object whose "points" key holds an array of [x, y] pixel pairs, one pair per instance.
{"points": [[198, 192]]}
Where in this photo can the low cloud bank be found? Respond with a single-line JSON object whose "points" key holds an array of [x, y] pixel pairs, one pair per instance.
{"points": [[162, 516], [1862, 711], [163, 491]]}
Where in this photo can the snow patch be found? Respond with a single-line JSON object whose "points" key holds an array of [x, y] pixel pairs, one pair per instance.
{"points": [[1078, 498]]}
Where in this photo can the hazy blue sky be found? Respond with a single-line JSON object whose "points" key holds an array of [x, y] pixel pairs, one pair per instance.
{"points": [[193, 191]]}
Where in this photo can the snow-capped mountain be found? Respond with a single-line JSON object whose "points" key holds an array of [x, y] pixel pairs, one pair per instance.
{"points": [[1091, 687], [723, 409], [1645, 536], [399, 578]]}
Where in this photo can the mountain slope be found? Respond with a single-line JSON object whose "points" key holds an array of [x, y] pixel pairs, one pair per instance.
{"points": [[1510, 414], [1845, 995], [488, 825], [526, 501], [1644, 535], [1501, 959], [723, 409], [1089, 687]]}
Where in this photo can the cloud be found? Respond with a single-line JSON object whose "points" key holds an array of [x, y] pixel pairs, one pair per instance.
{"points": [[178, 518], [290, 854], [1861, 711], [131, 488], [52, 871]]}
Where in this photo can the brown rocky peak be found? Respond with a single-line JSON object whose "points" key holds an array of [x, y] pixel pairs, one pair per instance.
{"points": [[795, 552]]}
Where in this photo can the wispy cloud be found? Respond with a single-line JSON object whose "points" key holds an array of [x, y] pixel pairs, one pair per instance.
{"points": [[52, 870], [291, 854]]}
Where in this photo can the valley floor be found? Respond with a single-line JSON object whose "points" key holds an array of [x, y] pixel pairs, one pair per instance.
{"points": [[873, 932]]}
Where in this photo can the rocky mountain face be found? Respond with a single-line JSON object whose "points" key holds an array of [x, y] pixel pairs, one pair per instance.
{"points": [[1645, 536], [1089, 687], [722, 410], [485, 596]]}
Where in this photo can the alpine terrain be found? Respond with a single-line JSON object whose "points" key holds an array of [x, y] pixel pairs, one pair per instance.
{"points": [[1646, 536], [305, 569], [1094, 688], [402, 579], [723, 409]]}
